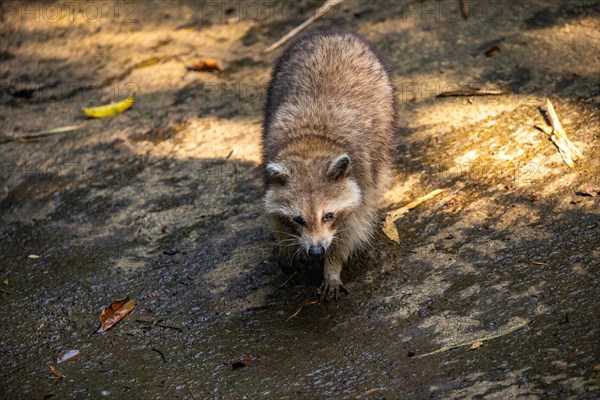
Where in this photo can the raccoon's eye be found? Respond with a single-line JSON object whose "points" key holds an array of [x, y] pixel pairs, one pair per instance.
{"points": [[328, 217], [299, 220]]}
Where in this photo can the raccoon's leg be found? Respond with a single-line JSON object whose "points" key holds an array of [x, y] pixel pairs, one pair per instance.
{"points": [[332, 286]]}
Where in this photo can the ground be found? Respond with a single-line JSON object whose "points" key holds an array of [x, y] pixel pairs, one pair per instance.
{"points": [[161, 203]]}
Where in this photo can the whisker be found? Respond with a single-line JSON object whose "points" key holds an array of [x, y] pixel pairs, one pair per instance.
{"points": [[294, 256], [285, 241]]}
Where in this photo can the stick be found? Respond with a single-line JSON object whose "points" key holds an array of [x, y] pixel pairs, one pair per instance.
{"points": [[389, 227], [554, 121], [471, 92], [164, 360], [544, 128], [305, 303], [318, 14], [47, 132], [296, 312], [158, 323], [396, 214], [559, 137], [286, 282], [483, 339]]}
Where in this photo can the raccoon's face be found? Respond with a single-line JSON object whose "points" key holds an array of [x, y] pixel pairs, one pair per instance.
{"points": [[312, 198]]}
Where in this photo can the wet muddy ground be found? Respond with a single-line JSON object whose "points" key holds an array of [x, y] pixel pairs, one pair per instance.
{"points": [[161, 203]]}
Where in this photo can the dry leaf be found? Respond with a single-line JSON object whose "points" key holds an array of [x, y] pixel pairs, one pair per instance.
{"points": [[69, 355], [114, 313], [390, 230], [6, 282], [33, 256], [206, 65], [476, 345], [492, 51], [57, 373]]}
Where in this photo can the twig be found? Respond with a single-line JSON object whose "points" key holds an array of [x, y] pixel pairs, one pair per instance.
{"points": [[47, 132], [161, 354], [396, 214], [176, 328], [483, 339], [305, 303], [567, 149], [296, 312], [471, 92], [544, 128], [158, 323], [286, 282], [318, 14], [389, 227]]}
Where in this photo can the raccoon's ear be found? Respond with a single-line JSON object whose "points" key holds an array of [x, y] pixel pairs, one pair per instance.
{"points": [[338, 167], [276, 173]]}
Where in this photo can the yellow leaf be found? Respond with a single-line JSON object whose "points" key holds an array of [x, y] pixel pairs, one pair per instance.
{"points": [[108, 110], [390, 230], [207, 65], [476, 345]]}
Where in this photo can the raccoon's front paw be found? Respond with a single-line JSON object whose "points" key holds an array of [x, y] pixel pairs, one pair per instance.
{"points": [[331, 290]]}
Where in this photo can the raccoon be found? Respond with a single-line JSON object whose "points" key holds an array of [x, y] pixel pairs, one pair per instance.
{"points": [[326, 151]]}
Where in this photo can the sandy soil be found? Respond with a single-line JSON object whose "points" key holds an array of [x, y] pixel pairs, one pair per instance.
{"points": [[161, 203]]}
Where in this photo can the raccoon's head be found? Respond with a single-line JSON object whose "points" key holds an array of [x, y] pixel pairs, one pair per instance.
{"points": [[312, 198]]}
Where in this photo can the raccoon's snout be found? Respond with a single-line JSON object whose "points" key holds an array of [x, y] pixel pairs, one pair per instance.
{"points": [[316, 251]]}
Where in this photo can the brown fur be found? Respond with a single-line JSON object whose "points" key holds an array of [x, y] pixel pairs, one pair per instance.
{"points": [[330, 97]]}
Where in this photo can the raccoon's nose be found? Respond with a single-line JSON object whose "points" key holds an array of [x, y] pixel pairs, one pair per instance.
{"points": [[316, 251]]}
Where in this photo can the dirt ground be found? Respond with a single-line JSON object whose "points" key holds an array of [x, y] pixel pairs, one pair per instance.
{"points": [[161, 203]]}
